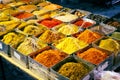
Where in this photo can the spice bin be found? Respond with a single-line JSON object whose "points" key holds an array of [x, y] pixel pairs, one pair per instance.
{"points": [[71, 61], [64, 37], [50, 36], [70, 45], [67, 29], [11, 39], [50, 22], [33, 29], [99, 57], [115, 36], [41, 68], [88, 36], [105, 42], [29, 45]]}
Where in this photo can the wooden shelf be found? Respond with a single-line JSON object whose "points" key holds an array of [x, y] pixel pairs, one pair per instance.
{"points": [[19, 66]]}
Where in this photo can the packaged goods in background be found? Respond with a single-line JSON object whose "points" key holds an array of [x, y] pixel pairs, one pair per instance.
{"points": [[70, 45], [66, 17], [97, 17], [93, 55], [49, 36], [85, 23], [50, 22], [89, 36]]}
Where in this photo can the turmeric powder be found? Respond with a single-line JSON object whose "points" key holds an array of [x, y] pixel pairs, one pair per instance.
{"points": [[70, 45]]}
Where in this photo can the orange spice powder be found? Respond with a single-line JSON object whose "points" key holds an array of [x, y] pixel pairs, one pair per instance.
{"points": [[50, 57], [89, 36], [93, 55], [23, 15]]}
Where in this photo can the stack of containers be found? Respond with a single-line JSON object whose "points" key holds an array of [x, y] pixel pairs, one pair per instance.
{"points": [[48, 38]]}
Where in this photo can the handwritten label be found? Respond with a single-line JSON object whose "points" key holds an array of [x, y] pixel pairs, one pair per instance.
{"points": [[1, 46], [16, 55]]}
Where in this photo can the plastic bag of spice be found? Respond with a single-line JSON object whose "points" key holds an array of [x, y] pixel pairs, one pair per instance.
{"points": [[106, 75]]}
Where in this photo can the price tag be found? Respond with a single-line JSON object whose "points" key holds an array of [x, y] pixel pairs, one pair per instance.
{"points": [[1, 46], [16, 55]]}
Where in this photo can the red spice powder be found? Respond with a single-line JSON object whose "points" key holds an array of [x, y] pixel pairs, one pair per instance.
{"points": [[23, 15], [50, 22], [81, 23]]}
